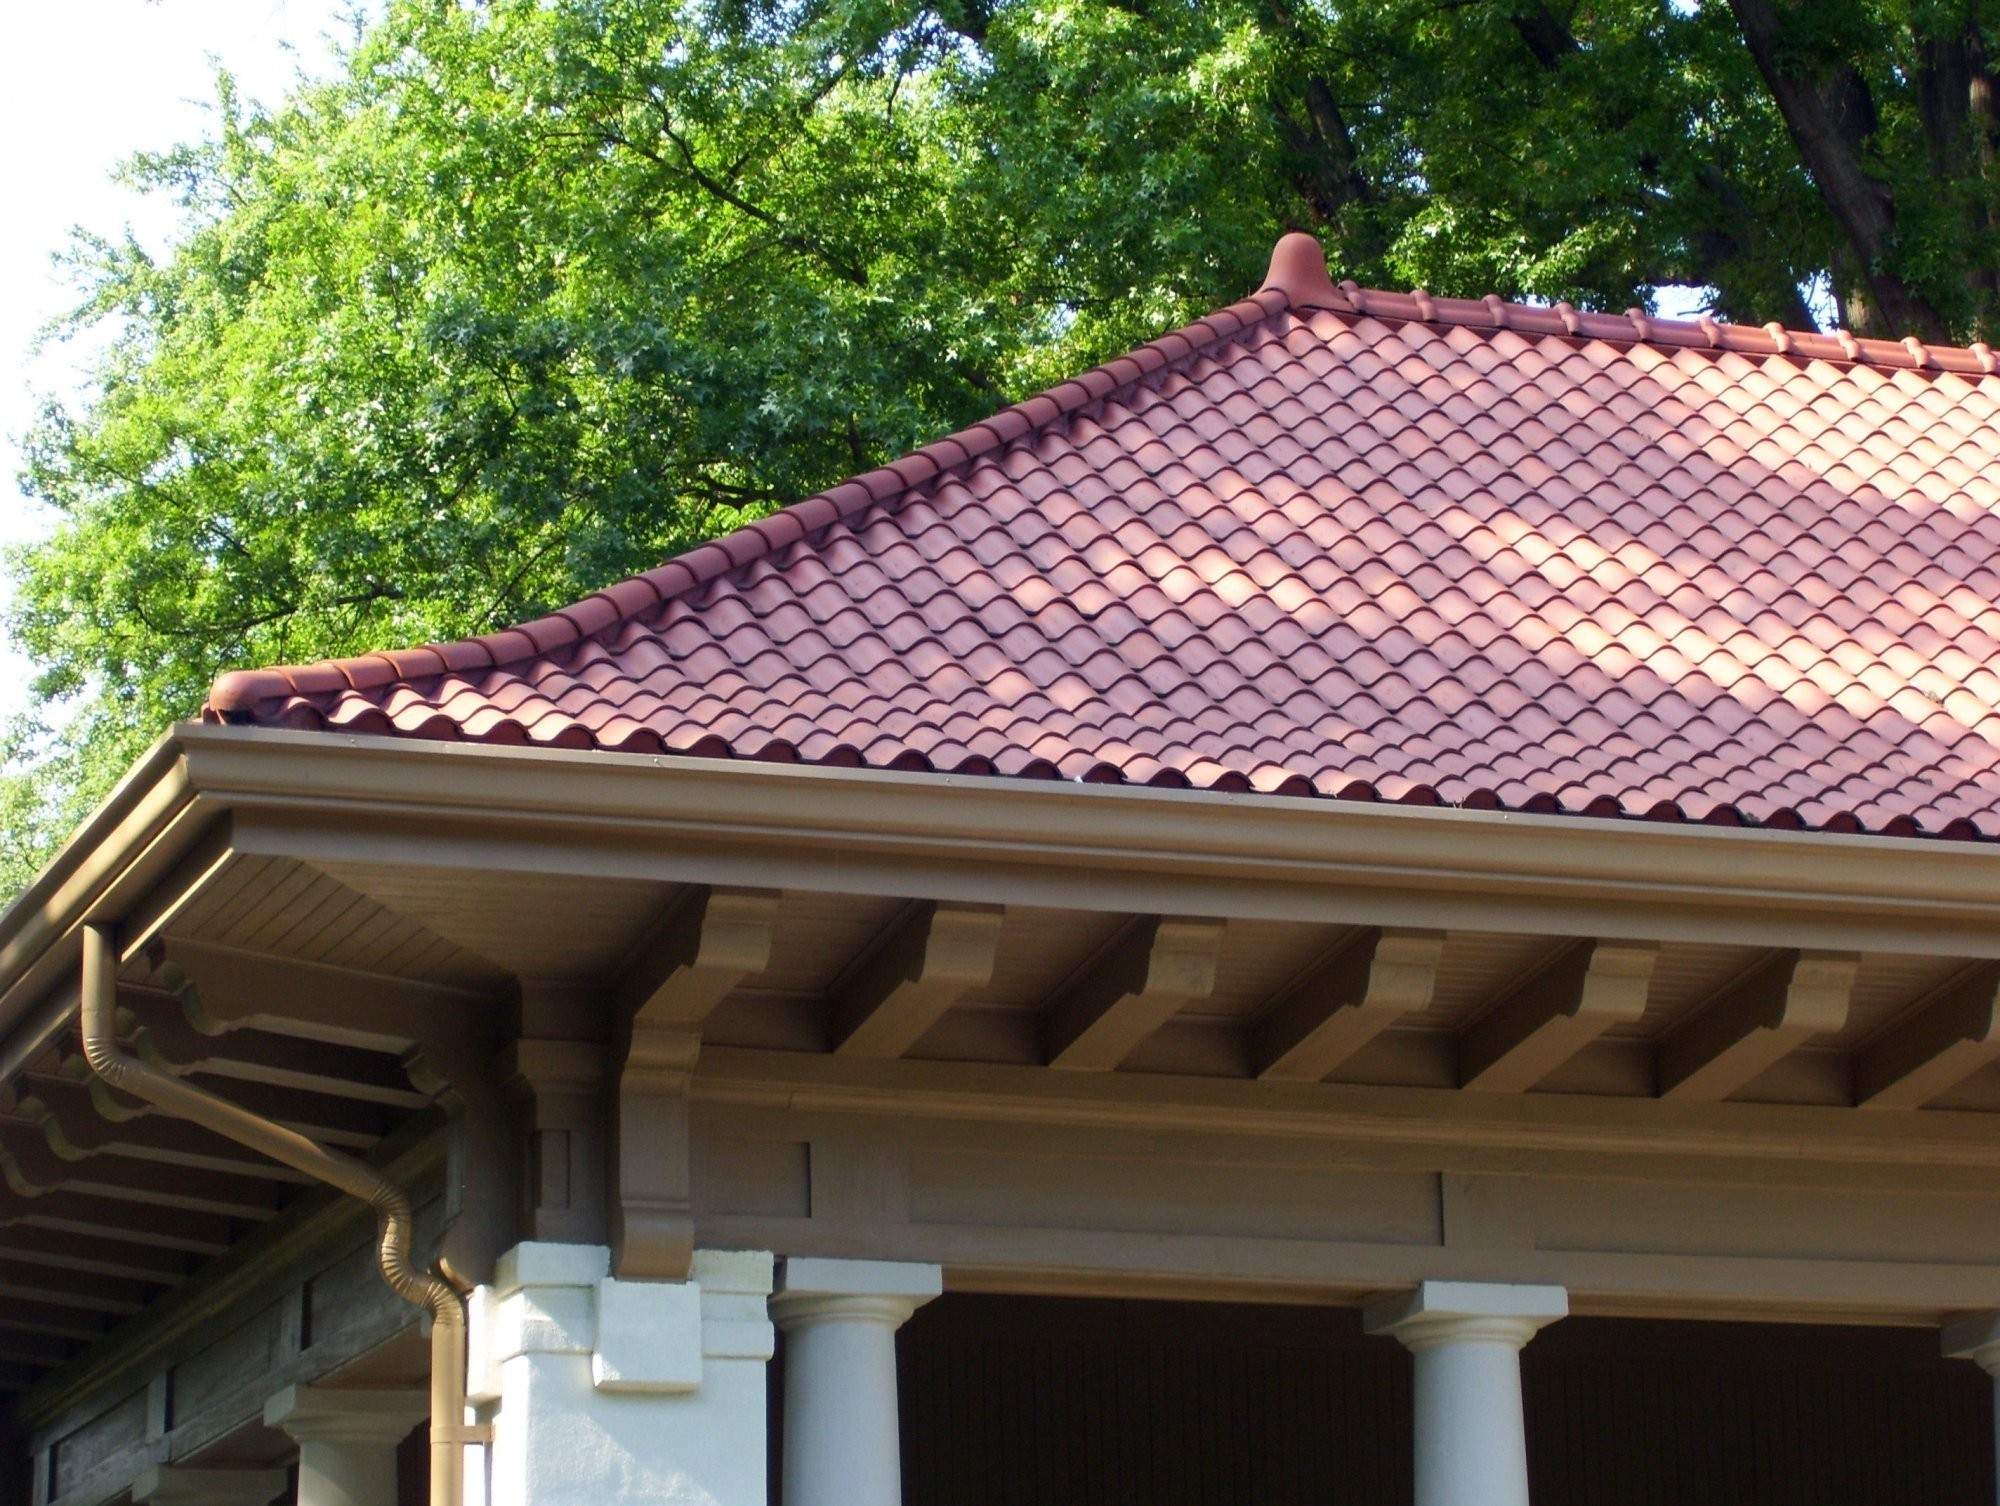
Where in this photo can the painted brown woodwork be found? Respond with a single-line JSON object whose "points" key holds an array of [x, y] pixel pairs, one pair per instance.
{"points": [[84, 1254], [1590, 987], [1945, 1041], [651, 1208], [1141, 982], [482, 1157], [932, 956], [703, 947], [68, 1212], [68, 1115], [557, 1091], [351, 1123], [32, 1168], [1778, 1005], [222, 988], [708, 944], [164, 1036], [1360, 989]]}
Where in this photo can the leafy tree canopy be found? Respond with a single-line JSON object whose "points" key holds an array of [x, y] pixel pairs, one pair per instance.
{"points": [[538, 292]]}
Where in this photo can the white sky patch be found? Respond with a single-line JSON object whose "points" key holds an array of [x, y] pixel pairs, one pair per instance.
{"points": [[83, 85]]}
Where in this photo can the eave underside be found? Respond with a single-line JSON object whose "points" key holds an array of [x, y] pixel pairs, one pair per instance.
{"points": [[1066, 1054]]}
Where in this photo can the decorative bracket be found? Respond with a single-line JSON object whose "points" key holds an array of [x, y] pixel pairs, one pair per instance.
{"points": [[1947, 1039], [1592, 986], [1350, 996], [1756, 1023], [1139, 984], [703, 948], [933, 955]]}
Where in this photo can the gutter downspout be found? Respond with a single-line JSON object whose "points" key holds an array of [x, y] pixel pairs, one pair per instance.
{"points": [[394, 1218]]}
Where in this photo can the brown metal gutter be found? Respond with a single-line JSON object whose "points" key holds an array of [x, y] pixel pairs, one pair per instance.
{"points": [[394, 1217], [345, 798]]}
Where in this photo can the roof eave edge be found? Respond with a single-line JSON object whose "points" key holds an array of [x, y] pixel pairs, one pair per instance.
{"points": [[1561, 874], [39, 930]]}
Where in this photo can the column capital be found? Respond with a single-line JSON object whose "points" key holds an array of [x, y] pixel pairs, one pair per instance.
{"points": [[1976, 1338], [322, 1414], [178, 1485], [815, 1290], [1467, 1312]]}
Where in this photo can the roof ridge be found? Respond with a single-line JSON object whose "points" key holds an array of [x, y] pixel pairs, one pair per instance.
{"points": [[1290, 283], [1637, 327]]}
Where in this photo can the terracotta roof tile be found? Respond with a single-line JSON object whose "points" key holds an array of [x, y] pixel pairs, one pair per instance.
{"points": [[1357, 544]]}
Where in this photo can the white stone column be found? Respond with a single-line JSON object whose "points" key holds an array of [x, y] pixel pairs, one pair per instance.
{"points": [[1472, 1446], [1978, 1339], [842, 1441], [179, 1485], [614, 1393], [347, 1440]]}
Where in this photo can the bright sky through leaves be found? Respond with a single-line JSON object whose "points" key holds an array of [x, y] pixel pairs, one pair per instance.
{"points": [[84, 84]]}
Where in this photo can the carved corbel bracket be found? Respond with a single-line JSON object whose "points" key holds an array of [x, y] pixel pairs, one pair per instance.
{"points": [[702, 949]]}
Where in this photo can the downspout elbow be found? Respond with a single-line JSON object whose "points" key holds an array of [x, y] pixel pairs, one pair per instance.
{"points": [[395, 1219]]}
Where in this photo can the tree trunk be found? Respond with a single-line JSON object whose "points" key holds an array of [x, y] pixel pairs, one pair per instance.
{"points": [[1831, 115]]}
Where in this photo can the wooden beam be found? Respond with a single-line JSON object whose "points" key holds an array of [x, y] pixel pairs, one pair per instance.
{"points": [[1590, 986], [70, 1119], [346, 1122], [1946, 1039], [1755, 1022], [70, 1212], [482, 1174], [1344, 1001], [1135, 987], [224, 988], [31, 1169], [22, 1280], [558, 1096], [84, 1254], [705, 945], [163, 1034], [932, 956]]}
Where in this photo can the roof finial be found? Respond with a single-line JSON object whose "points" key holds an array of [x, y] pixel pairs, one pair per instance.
{"points": [[1298, 270]]}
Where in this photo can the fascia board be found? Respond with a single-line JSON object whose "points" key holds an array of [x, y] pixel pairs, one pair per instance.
{"points": [[1109, 846], [145, 825], [956, 837]]}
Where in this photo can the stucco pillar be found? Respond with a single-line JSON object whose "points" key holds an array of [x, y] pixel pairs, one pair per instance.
{"points": [[1472, 1446], [178, 1485], [1978, 1339], [347, 1440], [612, 1393], [839, 1317]]}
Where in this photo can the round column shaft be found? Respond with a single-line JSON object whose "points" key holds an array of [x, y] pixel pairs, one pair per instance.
{"points": [[842, 1444], [1466, 1340]]}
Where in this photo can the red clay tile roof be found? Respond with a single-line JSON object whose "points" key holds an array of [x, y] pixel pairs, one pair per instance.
{"points": [[1373, 545]]}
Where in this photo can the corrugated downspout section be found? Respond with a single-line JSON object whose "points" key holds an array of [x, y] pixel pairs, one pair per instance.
{"points": [[394, 1219]]}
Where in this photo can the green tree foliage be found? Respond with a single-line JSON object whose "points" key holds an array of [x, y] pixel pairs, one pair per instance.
{"points": [[538, 292]]}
